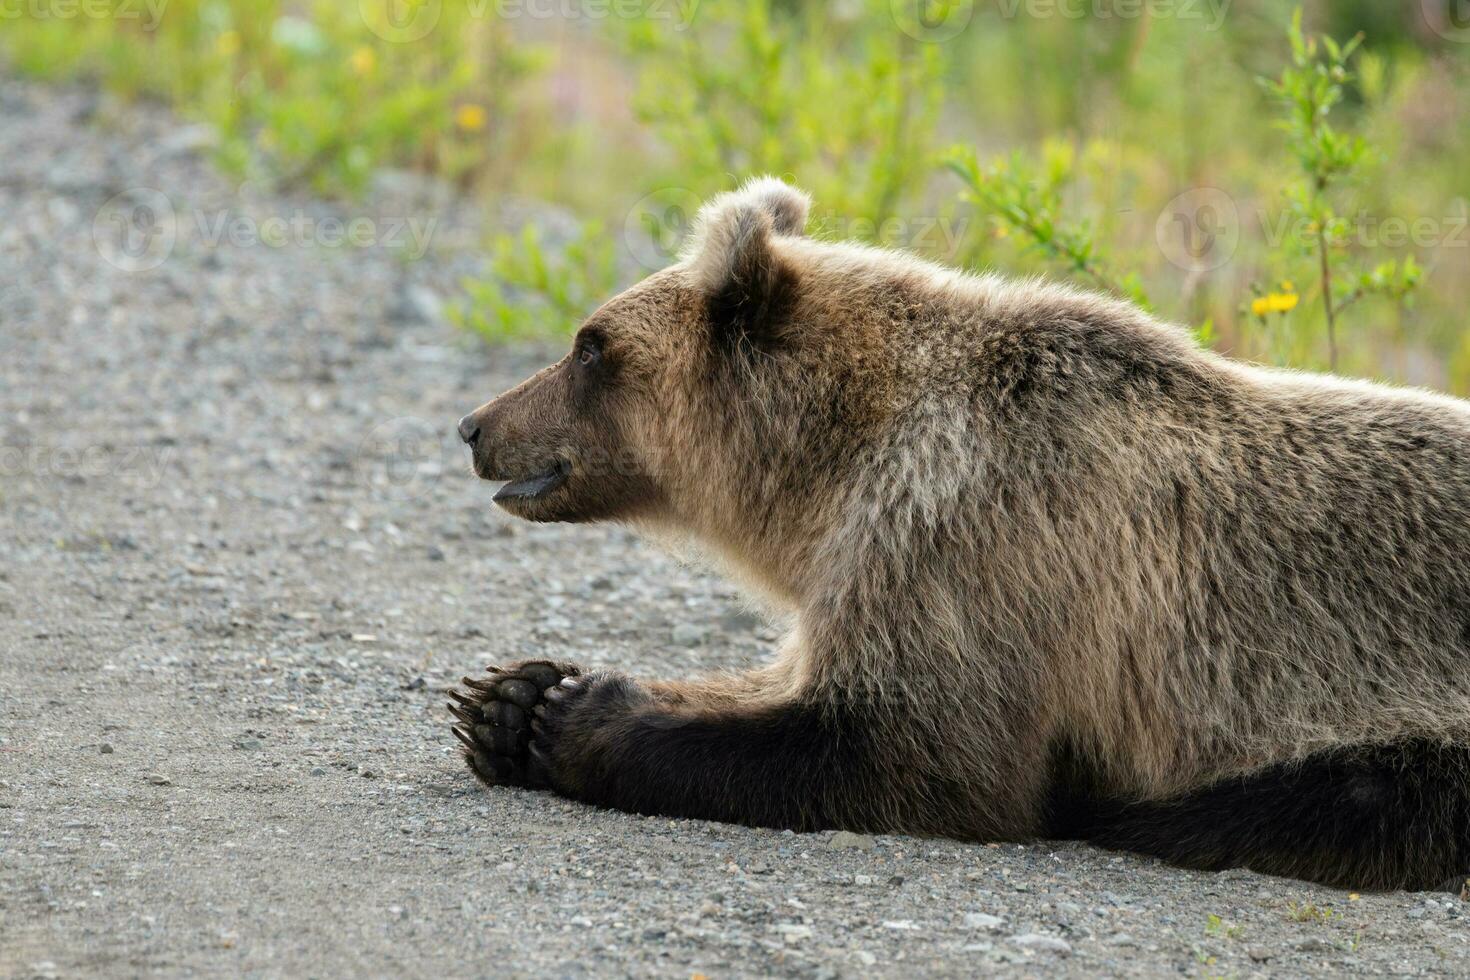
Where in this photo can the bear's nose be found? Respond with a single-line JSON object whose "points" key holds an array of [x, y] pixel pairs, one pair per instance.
{"points": [[469, 429]]}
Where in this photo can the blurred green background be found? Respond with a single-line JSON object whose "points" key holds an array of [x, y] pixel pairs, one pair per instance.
{"points": [[1257, 187]]}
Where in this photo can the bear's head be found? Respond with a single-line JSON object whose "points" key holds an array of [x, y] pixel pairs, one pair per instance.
{"points": [[725, 396]]}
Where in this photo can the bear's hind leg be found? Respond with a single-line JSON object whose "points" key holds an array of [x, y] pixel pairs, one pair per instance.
{"points": [[1370, 817]]}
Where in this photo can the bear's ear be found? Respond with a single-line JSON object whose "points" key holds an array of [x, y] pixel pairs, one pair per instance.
{"points": [[735, 264], [786, 205]]}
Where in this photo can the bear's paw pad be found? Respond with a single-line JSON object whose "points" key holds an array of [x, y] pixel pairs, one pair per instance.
{"points": [[497, 718]]}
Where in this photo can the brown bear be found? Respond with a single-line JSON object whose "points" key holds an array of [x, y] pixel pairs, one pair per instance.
{"points": [[1055, 570]]}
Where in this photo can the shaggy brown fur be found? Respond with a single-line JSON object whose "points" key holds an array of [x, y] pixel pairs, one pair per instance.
{"points": [[1053, 568]]}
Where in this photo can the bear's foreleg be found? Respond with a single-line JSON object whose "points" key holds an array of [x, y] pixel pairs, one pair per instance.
{"points": [[605, 739]]}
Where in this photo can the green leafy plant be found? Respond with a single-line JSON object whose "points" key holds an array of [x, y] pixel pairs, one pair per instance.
{"points": [[1025, 201], [1307, 91], [846, 104], [533, 291]]}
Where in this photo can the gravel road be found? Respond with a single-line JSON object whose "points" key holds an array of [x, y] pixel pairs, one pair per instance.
{"points": [[241, 558]]}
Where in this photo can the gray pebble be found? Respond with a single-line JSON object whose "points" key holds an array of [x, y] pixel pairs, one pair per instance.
{"points": [[1042, 943], [981, 920], [846, 839]]}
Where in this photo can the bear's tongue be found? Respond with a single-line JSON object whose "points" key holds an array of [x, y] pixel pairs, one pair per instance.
{"points": [[533, 486]]}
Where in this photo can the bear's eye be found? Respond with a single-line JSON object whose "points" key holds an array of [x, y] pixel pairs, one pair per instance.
{"points": [[588, 353]]}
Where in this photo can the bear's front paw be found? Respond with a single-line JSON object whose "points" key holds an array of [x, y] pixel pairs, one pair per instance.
{"points": [[503, 719]]}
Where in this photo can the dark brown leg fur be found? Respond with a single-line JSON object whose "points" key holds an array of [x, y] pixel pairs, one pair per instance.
{"points": [[1374, 816], [603, 739]]}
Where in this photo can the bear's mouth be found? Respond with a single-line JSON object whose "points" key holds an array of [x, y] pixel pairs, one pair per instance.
{"points": [[537, 486]]}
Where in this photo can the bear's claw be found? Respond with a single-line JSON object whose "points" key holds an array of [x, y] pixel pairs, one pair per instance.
{"points": [[499, 718]]}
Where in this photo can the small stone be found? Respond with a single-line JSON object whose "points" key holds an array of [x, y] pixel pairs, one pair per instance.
{"points": [[865, 958], [318, 771], [688, 635], [1042, 943], [794, 932], [1122, 939], [862, 879], [896, 880], [250, 744], [159, 779], [847, 840], [1258, 954], [981, 920], [435, 553], [367, 773], [105, 748]]}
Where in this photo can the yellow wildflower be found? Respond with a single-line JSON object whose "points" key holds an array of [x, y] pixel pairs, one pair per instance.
{"points": [[470, 118], [1274, 303], [227, 43], [363, 61]]}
